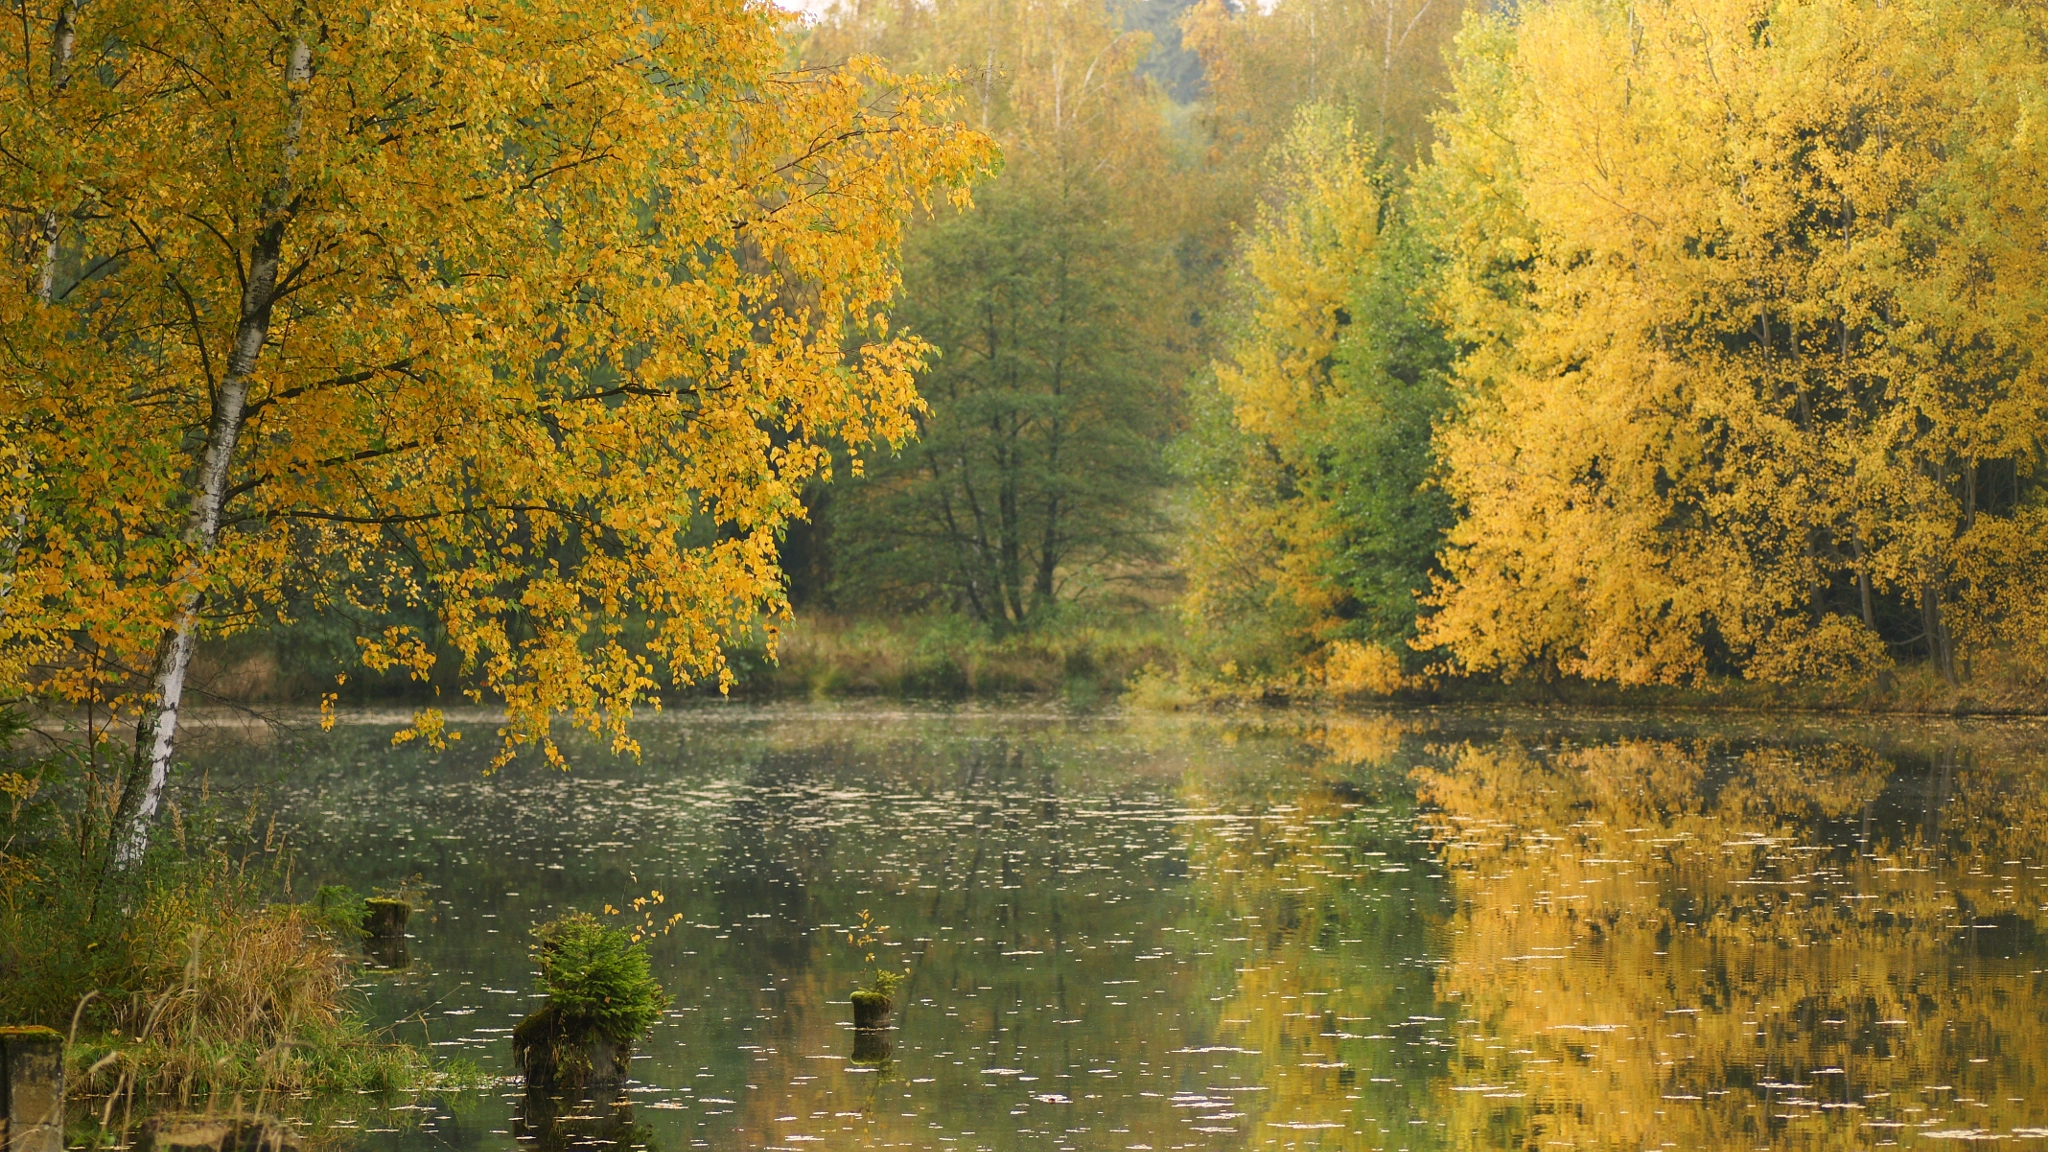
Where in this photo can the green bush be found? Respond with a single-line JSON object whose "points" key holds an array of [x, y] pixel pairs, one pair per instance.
{"points": [[596, 977], [338, 909]]}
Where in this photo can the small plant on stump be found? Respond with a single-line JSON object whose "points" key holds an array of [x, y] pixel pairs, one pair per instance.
{"points": [[601, 1000], [876, 993]]}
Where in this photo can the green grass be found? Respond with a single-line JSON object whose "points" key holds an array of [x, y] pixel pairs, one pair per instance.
{"points": [[1082, 659]]}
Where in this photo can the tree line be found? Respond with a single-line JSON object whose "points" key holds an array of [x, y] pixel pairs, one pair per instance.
{"points": [[1637, 342], [1386, 340]]}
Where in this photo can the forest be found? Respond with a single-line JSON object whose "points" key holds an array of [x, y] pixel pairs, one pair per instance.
{"points": [[1181, 352], [498, 376], [1398, 348]]}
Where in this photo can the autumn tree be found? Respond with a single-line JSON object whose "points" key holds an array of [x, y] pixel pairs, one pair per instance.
{"points": [[536, 315], [1055, 315], [1315, 523], [1752, 382]]}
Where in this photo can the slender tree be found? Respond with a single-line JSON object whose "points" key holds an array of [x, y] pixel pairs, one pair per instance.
{"points": [[1058, 324]]}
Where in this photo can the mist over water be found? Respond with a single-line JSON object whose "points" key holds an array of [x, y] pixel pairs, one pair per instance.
{"points": [[1401, 931]]}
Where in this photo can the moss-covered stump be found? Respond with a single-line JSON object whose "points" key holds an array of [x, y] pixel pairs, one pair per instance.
{"points": [[870, 1011], [31, 1090], [384, 918], [554, 1050]]}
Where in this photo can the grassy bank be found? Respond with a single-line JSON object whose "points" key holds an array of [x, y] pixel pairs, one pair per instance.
{"points": [[1909, 690], [190, 979], [1083, 660], [1145, 659]]}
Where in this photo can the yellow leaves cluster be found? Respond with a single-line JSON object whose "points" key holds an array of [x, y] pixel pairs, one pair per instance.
{"points": [[1351, 668], [571, 297], [1752, 320]]}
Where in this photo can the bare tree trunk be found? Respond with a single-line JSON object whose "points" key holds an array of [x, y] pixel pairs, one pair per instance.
{"points": [[1939, 649], [1862, 578], [156, 736]]}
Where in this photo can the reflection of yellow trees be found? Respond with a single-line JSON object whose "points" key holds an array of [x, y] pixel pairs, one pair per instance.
{"points": [[1362, 740], [1686, 945], [1321, 996]]}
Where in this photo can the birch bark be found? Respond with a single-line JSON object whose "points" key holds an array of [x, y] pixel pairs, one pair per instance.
{"points": [[48, 230], [156, 734], [46, 234]]}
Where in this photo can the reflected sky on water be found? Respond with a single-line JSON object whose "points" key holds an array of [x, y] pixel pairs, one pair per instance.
{"points": [[1401, 931]]}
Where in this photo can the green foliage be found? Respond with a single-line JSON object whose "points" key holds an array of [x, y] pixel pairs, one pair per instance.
{"points": [[338, 908], [1310, 455], [596, 978], [1391, 385], [1036, 474], [1057, 316]]}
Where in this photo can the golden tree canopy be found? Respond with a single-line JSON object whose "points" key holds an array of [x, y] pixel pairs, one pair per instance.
{"points": [[536, 316], [1752, 295]]}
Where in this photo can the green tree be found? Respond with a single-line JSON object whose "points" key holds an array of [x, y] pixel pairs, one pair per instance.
{"points": [[1310, 459], [1036, 472], [1058, 319]]}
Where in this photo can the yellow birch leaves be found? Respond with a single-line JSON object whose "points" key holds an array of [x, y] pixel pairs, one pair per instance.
{"points": [[570, 298]]}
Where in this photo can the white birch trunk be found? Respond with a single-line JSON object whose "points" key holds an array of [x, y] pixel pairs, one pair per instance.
{"points": [[156, 735], [48, 231]]}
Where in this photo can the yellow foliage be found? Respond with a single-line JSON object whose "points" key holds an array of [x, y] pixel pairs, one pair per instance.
{"points": [[1251, 546], [536, 316], [1372, 741], [1751, 329], [1351, 668]]}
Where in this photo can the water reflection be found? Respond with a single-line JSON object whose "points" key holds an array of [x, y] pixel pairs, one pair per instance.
{"points": [[1384, 932], [1707, 943], [557, 1124]]}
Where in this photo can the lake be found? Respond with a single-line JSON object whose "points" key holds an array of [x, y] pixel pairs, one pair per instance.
{"points": [[1409, 930]]}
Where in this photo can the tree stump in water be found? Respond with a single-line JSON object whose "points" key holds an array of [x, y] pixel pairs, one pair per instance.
{"points": [[871, 1047], [870, 1011], [556, 1051], [384, 918], [390, 953], [31, 1090]]}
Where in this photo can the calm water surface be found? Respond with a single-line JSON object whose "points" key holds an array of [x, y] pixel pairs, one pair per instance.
{"points": [[1406, 931]]}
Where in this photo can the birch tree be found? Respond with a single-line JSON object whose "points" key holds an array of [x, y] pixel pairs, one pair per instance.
{"points": [[536, 315]]}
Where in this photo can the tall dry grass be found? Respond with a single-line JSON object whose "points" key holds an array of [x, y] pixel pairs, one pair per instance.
{"points": [[227, 1002]]}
